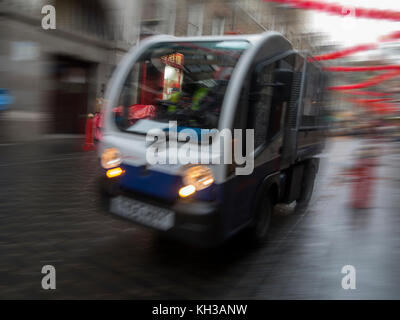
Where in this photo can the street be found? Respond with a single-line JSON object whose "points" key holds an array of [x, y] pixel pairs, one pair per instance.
{"points": [[50, 214]]}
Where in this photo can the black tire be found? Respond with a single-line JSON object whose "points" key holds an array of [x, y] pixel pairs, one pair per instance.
{"points": [[307, 187], [262, 220]]}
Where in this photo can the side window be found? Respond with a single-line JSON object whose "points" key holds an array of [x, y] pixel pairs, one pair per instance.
{"points": [[311, 97], [299, 63], [260, 98], [278, 104], [266, 104]]}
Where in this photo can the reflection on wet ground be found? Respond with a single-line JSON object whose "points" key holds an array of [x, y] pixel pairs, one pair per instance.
{"points": [[49, 214]]}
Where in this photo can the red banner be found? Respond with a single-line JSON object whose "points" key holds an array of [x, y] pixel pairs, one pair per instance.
{"points": [[369, 93], [359, 48], [362, 69], [369, 83], [346, 52], [371, 100], [376, 107], [390, 37], [338, 9]]}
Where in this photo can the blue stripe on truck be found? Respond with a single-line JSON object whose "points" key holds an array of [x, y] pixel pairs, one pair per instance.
{"points": [[159, 184]]}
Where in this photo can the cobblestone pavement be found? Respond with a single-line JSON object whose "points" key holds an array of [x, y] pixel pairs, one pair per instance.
{"points": [[50, 214]]}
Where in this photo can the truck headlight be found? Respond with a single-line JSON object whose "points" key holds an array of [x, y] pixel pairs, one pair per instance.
{"points": [[199, 176], [186, 191], [115, 172], [111, 158]]}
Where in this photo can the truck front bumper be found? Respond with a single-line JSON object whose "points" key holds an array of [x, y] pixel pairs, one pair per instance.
{"points": [[195, 222]]}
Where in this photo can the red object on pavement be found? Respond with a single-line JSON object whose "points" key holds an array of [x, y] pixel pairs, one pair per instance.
{"points": [[98, 124], [89, 145], [362, 192]]}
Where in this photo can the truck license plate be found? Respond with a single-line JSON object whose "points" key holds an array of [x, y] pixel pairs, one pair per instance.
{"points": [[146, 214]]}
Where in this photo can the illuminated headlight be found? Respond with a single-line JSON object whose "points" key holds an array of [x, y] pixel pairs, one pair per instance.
{"points": [[187, 191], [200, 177], [115, 172], [111, 158]]}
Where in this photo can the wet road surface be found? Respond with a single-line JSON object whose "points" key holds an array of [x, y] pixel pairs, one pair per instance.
{"points": [[50, 214]]}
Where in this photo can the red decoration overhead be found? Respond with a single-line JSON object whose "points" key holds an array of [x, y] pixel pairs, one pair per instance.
{"points": [[359, 48], [340, 10], [346, 52], [343, 11], [376, 107], [362, 69], [371, 100], [391, 36], [369, 83], [369, 93]]}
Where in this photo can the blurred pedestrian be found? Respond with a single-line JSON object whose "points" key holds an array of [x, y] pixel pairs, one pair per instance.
{"points": [[98, 119], [364, 176], [6, 100]]}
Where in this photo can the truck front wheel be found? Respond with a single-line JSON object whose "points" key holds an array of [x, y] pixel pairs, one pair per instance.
{"points": [[262, 220]]}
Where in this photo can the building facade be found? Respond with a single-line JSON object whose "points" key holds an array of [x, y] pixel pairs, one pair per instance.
{"points": [[55, 76]]}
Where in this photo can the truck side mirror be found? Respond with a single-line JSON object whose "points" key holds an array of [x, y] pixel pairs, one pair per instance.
{"points": [[280, 79], [283, 80]]}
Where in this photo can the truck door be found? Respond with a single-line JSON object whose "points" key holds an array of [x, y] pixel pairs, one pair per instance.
{"points": [[309, 135], [261, 107], [289, 148]]}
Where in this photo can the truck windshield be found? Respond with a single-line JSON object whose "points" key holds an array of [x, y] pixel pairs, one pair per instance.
{"points": [[177, 81]]}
